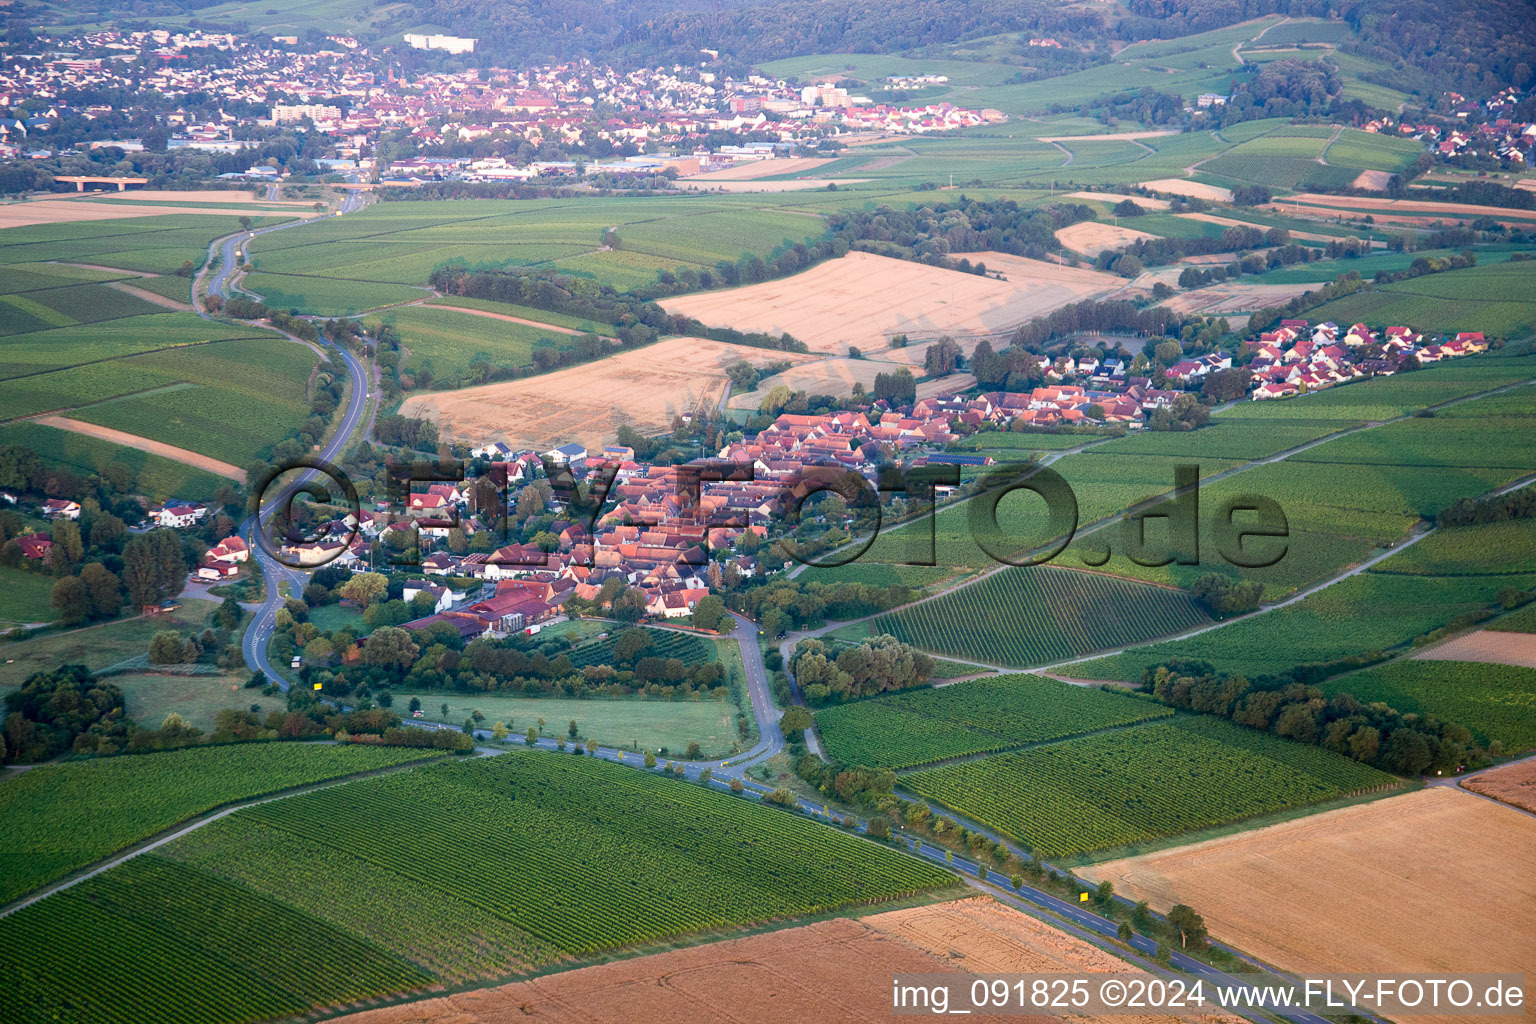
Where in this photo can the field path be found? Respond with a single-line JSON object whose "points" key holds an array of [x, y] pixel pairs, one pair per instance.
{"points": [[1322, 156], [149, 296], [144, 444], [504, 316]]}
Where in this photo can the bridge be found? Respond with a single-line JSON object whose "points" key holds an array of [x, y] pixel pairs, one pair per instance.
{"points": [[82, 180]]}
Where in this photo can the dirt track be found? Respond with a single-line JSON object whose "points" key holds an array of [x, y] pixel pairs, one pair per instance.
{"points": [[144, 444], [149, 296], [501, 316]]}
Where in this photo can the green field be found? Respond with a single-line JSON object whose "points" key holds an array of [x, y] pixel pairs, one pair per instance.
{"points": [[543, 316], [924, 726], [1140, 784], [502, 864], [384, 253], [230, 400], [1522, 621], [1495, 299], [97, 647], [1497, 702], [25, 596], [665, 643], [459, 348], [1374, 611], [1487, 549], [1024, 616], [119, 942], [83, 346], [620, 722], [879, 574], [58, 818], [314, 293], [196, 697], [153, 244]]}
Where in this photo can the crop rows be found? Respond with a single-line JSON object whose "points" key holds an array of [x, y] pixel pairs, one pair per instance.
{"points": [[154, 938], [979, 716], [453, 939], [1369, 612], [1023, 616], [60, 817], [588, 856], [665, 643], [1139, 784]]}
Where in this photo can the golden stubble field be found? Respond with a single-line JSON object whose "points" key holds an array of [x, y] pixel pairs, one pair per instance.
{"points": [[838, 970], [1090, 237], [863, 300], [1435, 880], [644, 388], [1512, 783]]}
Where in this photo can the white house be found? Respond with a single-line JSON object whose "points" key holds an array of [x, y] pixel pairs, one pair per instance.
{"points": [[496, 451], [61, 508], [442, 596], [179, 516]]}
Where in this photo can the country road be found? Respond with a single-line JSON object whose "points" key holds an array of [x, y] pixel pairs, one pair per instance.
{"points": [[259, 632]]}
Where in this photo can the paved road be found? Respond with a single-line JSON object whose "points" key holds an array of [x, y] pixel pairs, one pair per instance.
{"points": [[220, 283]]}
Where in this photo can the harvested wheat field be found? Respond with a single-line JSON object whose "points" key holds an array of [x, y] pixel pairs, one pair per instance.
{"points": [[836, 970], [1193, 189], [1487, 645], [1375, 180], [644, 388], [1112, 198], [1512, 783], [59, 211], [863, 300], [1234, 298], [1091, 237], [1353, 889]]}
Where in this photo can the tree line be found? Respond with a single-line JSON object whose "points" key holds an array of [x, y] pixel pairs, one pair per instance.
{"points": [[1373, 734]]}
